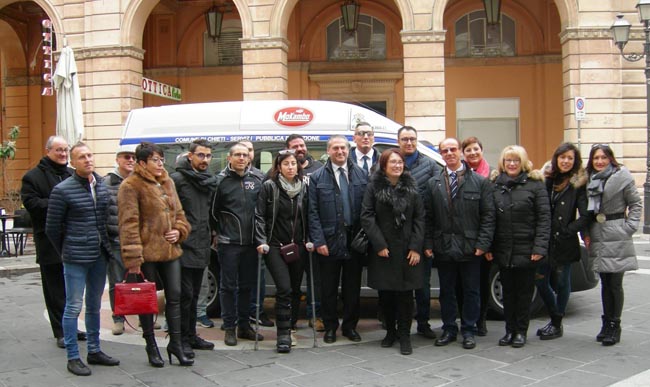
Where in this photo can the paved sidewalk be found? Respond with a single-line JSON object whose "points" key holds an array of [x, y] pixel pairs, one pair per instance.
{"points": [[29, 357]]}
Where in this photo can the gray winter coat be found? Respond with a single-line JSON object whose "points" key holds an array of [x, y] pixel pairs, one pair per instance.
{"points": [[612, 249]]}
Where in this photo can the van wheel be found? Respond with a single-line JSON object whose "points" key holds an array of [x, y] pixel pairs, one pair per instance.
{"points": [[495, 301], [214, 305]]}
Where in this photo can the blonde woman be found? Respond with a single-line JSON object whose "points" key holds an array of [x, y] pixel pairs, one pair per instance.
{"points": [[523, 227]]}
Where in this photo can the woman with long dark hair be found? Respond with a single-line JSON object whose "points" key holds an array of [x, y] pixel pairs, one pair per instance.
{"points": [[392, 214], [152, 226], [281, 221], [616, 208], [521, 237], [565, 184]]}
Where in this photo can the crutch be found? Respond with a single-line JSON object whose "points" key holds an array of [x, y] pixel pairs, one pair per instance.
{"points": [[265, 249], [310, 248]]}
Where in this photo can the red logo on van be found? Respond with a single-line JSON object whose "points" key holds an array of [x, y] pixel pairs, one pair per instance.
{"points": [[293, 116]]}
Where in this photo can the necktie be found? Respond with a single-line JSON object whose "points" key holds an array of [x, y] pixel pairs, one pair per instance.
{"points": [[365, 164], [453, 184], [345, 197]]}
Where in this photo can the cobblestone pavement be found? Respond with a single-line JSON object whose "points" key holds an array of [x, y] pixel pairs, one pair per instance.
{"points": [[29, 356]]}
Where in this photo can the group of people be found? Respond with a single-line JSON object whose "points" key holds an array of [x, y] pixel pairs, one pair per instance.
{"points": [[304, 217]]}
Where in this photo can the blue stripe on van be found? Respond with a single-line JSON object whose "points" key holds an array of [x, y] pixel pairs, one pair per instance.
{"points": [[231, 138]]}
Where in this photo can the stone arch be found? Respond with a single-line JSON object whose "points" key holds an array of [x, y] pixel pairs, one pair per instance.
{"points": [[49, 10], [283, 8], [12, 55], [135, 18], [568, 10]]}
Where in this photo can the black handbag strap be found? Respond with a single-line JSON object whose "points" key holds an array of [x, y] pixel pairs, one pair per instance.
{"points": [[295, 219]]}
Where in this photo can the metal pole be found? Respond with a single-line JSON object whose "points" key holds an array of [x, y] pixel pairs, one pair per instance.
{"points": [[646, 185]]}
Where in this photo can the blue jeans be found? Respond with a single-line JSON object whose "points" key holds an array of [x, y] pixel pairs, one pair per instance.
{"points": [[238, 277], [423, 296], [549, 278], [90, 277], [469, 274], [202, 302]]}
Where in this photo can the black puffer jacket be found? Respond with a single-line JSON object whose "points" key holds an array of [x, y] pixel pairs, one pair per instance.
{"points": [[565, 224], [195, 191], [76, 223], [423, 169], [393, 218], [523, 224], [454, 231], [112, 182], [35, 193]]}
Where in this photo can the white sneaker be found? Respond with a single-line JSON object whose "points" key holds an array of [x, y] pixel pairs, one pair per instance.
{"points": [[294, 341], [118, 328]]}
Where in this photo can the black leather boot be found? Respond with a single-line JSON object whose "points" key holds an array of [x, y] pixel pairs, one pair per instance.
{"points": [[612, 332], [283, 323], [601, 335], [175, 346], [152, 351]]}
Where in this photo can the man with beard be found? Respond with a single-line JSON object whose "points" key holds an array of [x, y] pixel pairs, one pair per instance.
{"points": [[364, 154], [195, 187], [309, 166], [35, 192], [125, 161]]}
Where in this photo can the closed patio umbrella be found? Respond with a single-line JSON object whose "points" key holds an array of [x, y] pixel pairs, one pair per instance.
{"points": [[69, 114]]}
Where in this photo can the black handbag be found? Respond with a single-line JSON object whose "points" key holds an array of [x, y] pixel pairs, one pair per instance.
{"points": [[360, 242]]}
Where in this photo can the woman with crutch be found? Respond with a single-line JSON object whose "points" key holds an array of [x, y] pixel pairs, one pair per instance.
{"points": [[281, 228]]}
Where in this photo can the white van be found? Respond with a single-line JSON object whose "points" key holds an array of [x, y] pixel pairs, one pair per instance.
{"points": [[265, 123]]}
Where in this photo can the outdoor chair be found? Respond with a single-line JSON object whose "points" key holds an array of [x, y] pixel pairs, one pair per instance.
{"points": [[17, 236]]}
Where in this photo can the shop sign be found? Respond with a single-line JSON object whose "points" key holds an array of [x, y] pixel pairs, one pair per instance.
{"points": [[149, 86]]}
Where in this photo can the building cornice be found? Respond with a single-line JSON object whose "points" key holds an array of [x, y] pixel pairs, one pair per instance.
{"points": [[107, 52], [423, 36], [264, 43], [585, 33]]}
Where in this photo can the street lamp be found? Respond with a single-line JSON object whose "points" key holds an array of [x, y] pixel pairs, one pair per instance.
{"points": [[350, 14], [621, 34], [214, 22], [492, 11]]}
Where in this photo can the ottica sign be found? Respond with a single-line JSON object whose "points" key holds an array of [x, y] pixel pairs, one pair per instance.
{"points": [[149, 86]]}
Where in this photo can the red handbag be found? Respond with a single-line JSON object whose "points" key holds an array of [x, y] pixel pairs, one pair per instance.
{"points": [[135, 297]]}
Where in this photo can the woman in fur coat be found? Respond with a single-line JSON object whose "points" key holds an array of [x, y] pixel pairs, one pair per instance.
{"points": [[565, 184], [392, 214], [152, 226]]}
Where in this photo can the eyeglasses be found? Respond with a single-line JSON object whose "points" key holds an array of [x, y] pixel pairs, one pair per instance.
{"points": [[127, 157], [409, 139], [600, 146], [448, 150], [363, 133], [203, 156], [396, 162], [283, 152], [61, 150], [157, 160], [511, 161], [239, 155]]}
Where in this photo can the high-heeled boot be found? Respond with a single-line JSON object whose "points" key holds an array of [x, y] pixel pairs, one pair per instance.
{"points": [[175, 346], [283, 323], [612, 332], [601, 335], [404, 319], [152, 351]]}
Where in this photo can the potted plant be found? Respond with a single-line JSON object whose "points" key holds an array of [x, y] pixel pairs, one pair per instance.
{"points": [[11, 199]]}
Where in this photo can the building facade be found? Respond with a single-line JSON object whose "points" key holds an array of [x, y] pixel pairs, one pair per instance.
{"points": [[436, 65]]}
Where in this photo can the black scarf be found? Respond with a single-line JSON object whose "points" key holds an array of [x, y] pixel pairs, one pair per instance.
{"points": [[394, 196], [202, 181]]}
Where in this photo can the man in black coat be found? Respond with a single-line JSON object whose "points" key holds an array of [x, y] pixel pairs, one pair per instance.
{"points": [[422, 169], [37, 185], [460, 221], [195, 187], [364, 154], [335, 195]]}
